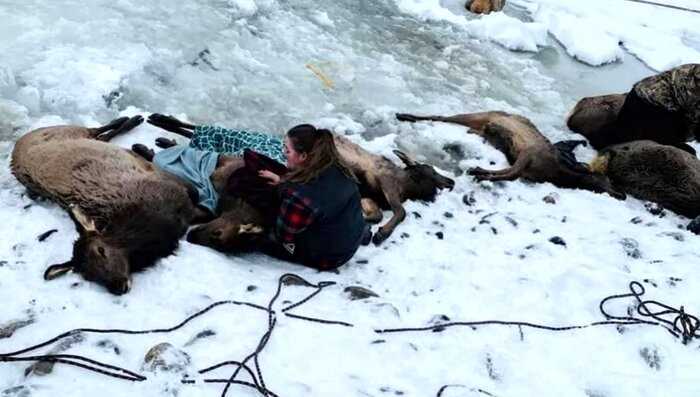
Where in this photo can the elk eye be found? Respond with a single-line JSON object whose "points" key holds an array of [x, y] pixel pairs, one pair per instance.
{"points": [[216, 233], [101, 251]]}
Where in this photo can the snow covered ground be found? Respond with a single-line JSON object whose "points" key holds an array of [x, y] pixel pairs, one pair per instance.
{"points": [[250, 63]]}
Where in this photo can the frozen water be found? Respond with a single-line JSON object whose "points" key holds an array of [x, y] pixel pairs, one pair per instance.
{"points": [[349, 65]]}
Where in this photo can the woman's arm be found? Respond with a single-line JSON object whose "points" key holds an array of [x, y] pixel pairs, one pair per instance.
{"points": [[295, 216]]}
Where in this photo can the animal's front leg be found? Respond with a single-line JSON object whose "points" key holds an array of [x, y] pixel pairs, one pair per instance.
{"points": [[116, 123], [165, 143], [399, 215], [371, 211], [143, 151]]}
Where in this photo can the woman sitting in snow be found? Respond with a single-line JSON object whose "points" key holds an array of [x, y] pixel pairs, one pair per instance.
{"points": [[320, 222]]}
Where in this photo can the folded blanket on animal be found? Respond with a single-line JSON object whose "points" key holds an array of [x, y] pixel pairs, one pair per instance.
{"points": [[195, 167], [235, 142], [256, 191]]}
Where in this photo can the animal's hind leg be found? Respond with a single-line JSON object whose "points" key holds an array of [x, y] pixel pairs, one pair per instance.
{"points": [[371, 211], [129, 125], [116, 123], [475, 121], [170, 123]]}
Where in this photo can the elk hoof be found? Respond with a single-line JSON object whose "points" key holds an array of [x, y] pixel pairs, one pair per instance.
{"points": [[161, 120], [165, 143], [379, 237], [143, 151]]}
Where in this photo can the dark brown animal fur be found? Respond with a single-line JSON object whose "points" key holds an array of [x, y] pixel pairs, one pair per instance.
{"points": [[532, 156], [594, 117], [651, 171], [128, 214], [237, 222]]}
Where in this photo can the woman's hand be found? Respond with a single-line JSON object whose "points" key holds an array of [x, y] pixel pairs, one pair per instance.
{"points": [[273, 179]]}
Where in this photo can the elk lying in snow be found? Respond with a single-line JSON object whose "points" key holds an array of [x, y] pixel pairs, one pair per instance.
{"points": [[127, 213], [594, 117], [664, 108], [532, 156], [484, 6], [383, 185], [651, 171]]}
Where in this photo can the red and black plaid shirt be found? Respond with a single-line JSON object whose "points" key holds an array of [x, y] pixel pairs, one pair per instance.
{"points": [[296, 214]]}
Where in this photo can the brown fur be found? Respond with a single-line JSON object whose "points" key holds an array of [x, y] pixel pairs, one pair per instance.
{"points": [[127, 212], [651, 171], [484, 6], [389, 185], [594, 117], [533, 156]]}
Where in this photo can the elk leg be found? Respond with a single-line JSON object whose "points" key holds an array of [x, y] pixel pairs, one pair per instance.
{"points": [[399, 215], [127, 126], [475, 121], [507, 174], [371, 211], [143, 151], [412, 118], [116, 123], [170, 123]]}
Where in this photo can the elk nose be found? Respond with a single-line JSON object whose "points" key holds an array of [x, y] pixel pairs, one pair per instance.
{"points": [[216, 234], [120, 286]]}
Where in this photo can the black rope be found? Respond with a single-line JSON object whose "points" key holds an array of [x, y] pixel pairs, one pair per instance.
{"points": [[442, 390], [689, 324], [271, 322], [258, 381], [95, 367], [225, 363], [130, 332], [319, 320], [683, 326]]}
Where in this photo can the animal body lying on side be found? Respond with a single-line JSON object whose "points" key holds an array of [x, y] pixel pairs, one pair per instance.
{"points": [[127, 213], [533, 157]]}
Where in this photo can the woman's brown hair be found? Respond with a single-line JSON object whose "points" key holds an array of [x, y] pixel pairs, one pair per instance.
{"points": [[320, 150]]}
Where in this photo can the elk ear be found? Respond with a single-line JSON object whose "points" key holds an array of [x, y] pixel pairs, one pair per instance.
{"points": [[82, 219], [56, 271], [405, 158], [250, 228]]}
